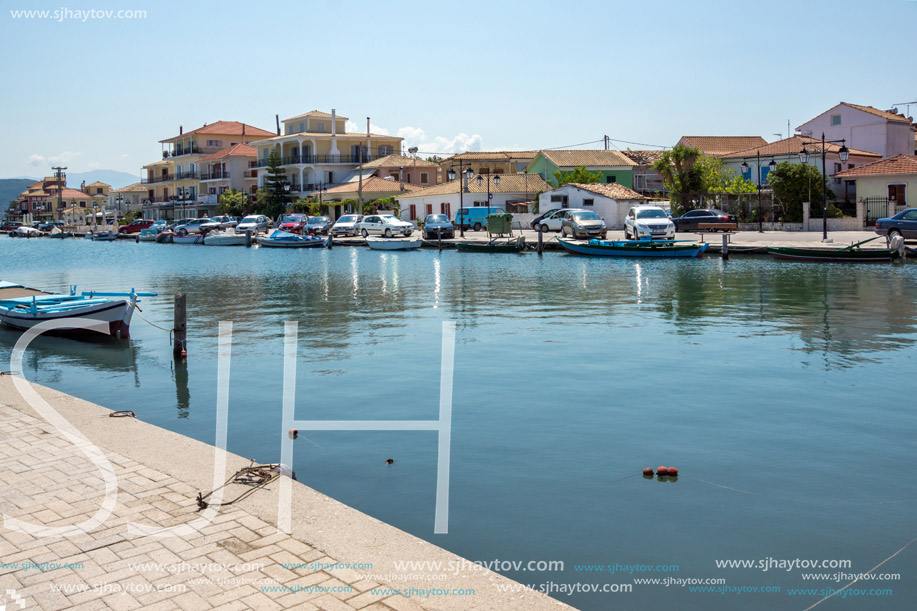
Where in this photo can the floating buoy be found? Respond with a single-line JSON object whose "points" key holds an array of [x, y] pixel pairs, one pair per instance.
{"points": [[389, 461], [294, 433], [184, 354], [673, 471], [662, 471], [647, 472]]}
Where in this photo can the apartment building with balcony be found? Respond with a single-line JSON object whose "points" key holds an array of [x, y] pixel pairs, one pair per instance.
{"points": [[174, 187], [317, 152], [230, 168]]}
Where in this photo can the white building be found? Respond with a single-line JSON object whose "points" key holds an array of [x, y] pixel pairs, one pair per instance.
{"points": [[864, 127], [609, 201], [512, 194], [127, 199]]}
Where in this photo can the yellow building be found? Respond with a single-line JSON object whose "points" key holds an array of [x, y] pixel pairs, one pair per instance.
{"points": [[98, 191], [173, 183], [487, 162], [46, 199]]}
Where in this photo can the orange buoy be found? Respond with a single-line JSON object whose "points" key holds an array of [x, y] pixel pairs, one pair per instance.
{"points": [[294, 433], [184, 354], [673, 471], [662, 471], [647, 472], [389, 461]]}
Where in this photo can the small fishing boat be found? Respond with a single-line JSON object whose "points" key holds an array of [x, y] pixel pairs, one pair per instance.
{"points": [[394, 243], [147, 235], [164, 237], [634, 248], [102, 236], [285, 239], [57, 232], [499, 245], [847, 254], [188, 238], [23, 308], [224, 238], [26, 232]]}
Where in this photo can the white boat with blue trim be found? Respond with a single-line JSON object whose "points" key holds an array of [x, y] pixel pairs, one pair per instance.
{"points": [[22, 307]]}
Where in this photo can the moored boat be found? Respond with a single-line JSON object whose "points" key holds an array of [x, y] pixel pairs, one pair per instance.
{"points": [[164, 237], [102, 236], [224, 238], [188, 238], [284, 239], [499, 245], [23, 308], [847, 254], [57, 232], [394, 243], [634, 248], [147, 235]]}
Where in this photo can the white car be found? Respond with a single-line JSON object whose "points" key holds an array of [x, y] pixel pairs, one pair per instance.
{"points": [[552, 220], [192, 226], [255, 223], [220, 222], [346, 225], [643, 221], [384, 224]]}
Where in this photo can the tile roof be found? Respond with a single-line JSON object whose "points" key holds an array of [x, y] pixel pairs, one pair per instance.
{"points": [[509, 183], [317, 114], [589, 158], [889, 116], [98, 183], [236, 150], [612, 190], [137, 187], [719, 145], [225, 128], [396, 160], [491, 156], [792, 146], [899, 164], [373, 184], [643, 157]]}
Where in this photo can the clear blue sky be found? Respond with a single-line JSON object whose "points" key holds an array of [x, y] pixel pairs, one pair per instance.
{"points": [[480, 75]]}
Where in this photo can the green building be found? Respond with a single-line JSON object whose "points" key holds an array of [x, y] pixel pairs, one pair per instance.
{"points": [[614, 166]]}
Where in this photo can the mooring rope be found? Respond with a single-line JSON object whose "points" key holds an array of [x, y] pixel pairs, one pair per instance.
{"points": [[152, 323], [909, 543], [808, 501]]}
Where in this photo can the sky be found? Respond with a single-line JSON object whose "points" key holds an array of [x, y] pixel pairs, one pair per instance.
{"points": [[94, 92]]}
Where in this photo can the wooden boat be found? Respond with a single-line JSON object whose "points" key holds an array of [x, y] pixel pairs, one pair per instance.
{"points": [[23, 308], [848, 254], [102, 236], [57, 232], [224, 238], [285, 239], [634, 248], [147, 235], [394, 243], [189, 238], [499, 245], [164, 237]]}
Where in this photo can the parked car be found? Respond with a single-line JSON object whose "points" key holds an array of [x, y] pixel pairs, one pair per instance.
{"points": [[583, 224], [317, 225], [45, 227], [474, 218], [160, 225], [219, 222], [384, 224], [10, 225], [346, 225], [689, 220], [437, 226], [550, 220], [136, 226], [293, 223], [192, 226], [255, 223], [642, 221], [904, 224]]}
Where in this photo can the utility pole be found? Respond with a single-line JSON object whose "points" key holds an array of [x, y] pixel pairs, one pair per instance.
{"points": [[59, 173]]}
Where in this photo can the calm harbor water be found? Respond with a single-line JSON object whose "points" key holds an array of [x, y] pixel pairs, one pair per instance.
{"points": [[783, 393]]}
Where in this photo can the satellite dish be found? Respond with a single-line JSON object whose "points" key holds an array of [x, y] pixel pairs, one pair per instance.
{"points": [[412, 150], [894, 110]]}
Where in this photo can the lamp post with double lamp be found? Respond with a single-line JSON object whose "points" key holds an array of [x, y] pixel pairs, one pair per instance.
{"points": [[496, 182], [469, 175], [843, 154], [773, 166]]}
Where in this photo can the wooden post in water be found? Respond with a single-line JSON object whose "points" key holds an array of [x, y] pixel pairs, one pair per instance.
{"points": [[540, 242], [248, 237], [725, 246], [180, 328]]}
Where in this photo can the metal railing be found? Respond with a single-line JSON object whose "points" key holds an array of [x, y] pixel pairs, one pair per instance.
{"points": [[160, 178], [876, 208], [215, 176], [316, 159]]}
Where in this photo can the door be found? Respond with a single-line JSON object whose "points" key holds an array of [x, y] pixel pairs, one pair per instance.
{"points": [[413, 212], [445, 208], [898, 193]]}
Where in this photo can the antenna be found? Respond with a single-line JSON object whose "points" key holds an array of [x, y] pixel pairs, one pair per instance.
{"points": [[906, 105]]}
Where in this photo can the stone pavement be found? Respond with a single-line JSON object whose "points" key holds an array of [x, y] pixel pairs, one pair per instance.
{"points": [[239, 561]]}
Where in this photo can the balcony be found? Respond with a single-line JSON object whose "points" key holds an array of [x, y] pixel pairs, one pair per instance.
{"points": [[192, 150], [319, 159], [186, 175], [153, 179], [215, 176]]}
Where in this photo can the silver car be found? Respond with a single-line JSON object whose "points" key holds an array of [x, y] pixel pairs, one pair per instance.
{"points": [[346, 225], [254, 223]]}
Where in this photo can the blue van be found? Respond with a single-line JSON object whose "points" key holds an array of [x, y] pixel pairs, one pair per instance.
{"points": [[475, 218]]}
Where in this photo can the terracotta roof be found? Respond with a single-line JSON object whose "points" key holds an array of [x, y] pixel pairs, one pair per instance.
{"points": [[509, 183], [899, 164], [491, 156], [137, 187], [71, 194], [719, 145], [889, 116], [792, 146], [237, 150], [373, 184], [98, 183], [587, 158], [612, 190], [643, 157], [225, 128], [316, 114], [395, 161]]}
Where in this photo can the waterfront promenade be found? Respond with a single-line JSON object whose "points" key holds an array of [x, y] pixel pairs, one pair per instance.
{"points": [[337, 559]]}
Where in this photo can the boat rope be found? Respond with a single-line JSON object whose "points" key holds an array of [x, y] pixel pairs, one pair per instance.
{"points": [[152, 323], [836, 592], [123, 414], [797, 500], [254, 477]]}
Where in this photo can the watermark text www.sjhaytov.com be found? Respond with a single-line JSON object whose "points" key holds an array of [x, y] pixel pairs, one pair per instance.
{"points": [[67, 14]]}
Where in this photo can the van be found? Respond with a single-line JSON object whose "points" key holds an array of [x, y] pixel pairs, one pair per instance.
{"points": [[475, 218]]}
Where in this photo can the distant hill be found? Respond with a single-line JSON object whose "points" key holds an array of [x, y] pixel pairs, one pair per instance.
{"points": [[112, 177], [10, 188]]}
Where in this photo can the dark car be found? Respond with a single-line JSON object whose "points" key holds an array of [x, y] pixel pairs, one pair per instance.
{"points": [[317, 225], [583, 224], [690, 220], [10, 225], [136, 226], [904, 224], [437, 226]]}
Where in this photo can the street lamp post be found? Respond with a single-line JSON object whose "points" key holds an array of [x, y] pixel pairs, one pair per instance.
{"points": [[468, 174], [843, 154], [773, 166], [496, 182]]}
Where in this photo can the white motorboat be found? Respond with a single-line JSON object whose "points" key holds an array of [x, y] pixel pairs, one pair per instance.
{"points": [[394, 243], [102, 236], [188, 238], [224, 238]]}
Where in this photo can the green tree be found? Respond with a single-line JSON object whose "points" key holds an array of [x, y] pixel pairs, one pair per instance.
{"points": [[272, 198], [233, 203], [579, 175], [794, 183], [681, 174], [716, 178]]}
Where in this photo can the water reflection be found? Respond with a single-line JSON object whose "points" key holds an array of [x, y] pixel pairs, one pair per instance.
{"points": [[182, 391]]}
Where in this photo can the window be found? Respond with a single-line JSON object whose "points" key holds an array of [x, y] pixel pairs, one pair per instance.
{"points": [[214, 143], [835, 119], [445, 208], [562, 199], [319, 126], [413, 212], [897, 193], [429, 209], [302, 126], [98, 190], [213, 190], [385, 149], [395, 174], [589, 202], [611, 179], [424, 178]]}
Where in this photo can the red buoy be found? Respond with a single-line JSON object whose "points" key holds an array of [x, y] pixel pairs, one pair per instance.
{"points": [[389, 461], [184, 354], [673, 471], [294, 433], [647, 472], [662, 471]]}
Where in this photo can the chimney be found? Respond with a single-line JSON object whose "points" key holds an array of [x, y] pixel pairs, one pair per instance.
{"points": [[243, 130], [277, 118], [334, 126], [180, 130]]}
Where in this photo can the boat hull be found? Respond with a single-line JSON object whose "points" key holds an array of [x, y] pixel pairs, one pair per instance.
{"points": [[511, 246], [833, 255], [394, 244], [117, 315], [632, 249], [224, 240], [107, 236], [194, 238], [268, 243]]}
